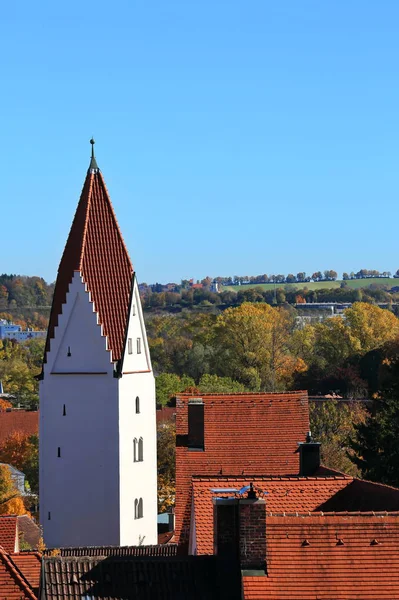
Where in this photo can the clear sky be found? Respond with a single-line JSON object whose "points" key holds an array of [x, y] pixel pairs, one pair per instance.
{"points": [[236, 137]]}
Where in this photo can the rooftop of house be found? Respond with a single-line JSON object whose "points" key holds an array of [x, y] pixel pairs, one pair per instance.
{"points": [[24, 421], [156, 550], [95, 248], [14, 581], [242, 433], [339, 493], [324, 556], [29, 564], [9, 533], [141, 578]]}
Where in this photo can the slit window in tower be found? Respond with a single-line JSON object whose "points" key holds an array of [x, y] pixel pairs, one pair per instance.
{"points": [[129, 346], [138, 345]]}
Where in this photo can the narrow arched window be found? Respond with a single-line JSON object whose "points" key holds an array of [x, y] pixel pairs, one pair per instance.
{"points": [[137, 405], [135, 453], [140, 509], [136, 509], [141, 449]]}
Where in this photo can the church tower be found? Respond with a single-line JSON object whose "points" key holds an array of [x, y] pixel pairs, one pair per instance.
{"points": [[98, 472]]}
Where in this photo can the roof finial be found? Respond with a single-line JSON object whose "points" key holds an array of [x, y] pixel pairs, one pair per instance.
{"points": [[93, 168]]}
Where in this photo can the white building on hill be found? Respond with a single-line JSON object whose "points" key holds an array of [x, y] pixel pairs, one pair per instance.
{"points": [[97, 392]]}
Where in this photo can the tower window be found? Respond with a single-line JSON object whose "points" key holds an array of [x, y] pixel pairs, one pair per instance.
{"points": [[133, 309], [141, 450], [64, 411], [138, 345], [137, 405], [129, 346], [69, 353], [59, 452], [138, 508], [49, 516], [135, 453]]}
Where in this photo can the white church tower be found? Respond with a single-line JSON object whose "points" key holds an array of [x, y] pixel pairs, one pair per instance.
{"points": [[98, 472]]}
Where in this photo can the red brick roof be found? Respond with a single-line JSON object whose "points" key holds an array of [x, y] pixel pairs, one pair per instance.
{"points": [[244, 433], [13, 585], [95, 248], [282, 494], [9, 533], [345, 557], [24, 421], [29, 563]]}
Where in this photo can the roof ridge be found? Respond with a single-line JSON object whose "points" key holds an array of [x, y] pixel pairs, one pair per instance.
{"points": [[89, 196], [16, 574]]}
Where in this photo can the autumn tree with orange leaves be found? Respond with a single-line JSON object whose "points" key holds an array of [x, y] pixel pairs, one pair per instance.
{"points": [[253, 346], [11, 502], [22, 452]]}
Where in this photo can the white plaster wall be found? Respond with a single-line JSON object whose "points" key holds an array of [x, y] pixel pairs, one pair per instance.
{"points": [[137, 479], [136, 329], [81, 488]]}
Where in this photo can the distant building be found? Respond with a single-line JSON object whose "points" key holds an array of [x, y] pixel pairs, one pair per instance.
{"points": [[17, 476], [11, 331]]}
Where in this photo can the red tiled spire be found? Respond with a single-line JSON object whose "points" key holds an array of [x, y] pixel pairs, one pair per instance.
{"points": [[96, 249]]}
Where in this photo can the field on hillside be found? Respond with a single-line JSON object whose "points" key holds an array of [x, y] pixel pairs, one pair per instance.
{"points": [[318, 285]]}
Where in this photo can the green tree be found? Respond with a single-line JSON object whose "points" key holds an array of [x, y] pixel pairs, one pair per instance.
{"points": [[169, 384], [333, 424], [213, 384]]}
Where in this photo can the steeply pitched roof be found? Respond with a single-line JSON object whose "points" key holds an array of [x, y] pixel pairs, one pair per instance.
{"points": [[13, 585], [132, 578], [9, 533], [95, 249], [29, 564], [244, 433], [24, 421], [319, 557], [282, 494], [29, 531]]}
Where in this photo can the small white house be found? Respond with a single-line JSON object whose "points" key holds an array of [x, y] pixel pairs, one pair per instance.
{"points": [[98, 473]]}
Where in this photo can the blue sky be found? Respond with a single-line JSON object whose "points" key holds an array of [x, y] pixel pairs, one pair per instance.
{"points": [[236, 137]]}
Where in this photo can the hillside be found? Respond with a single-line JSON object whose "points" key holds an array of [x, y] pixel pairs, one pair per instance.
{"points": [[318, 285]]}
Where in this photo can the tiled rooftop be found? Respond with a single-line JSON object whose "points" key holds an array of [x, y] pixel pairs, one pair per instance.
{"points": [[23, 421], [9, 533], [133, 578], [244, 433], [29, 564], [320, 557], [13, 584], [95, 248], [282, 494]]}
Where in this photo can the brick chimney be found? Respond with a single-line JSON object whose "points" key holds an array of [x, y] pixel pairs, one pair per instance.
{"points": [[252, 520]]}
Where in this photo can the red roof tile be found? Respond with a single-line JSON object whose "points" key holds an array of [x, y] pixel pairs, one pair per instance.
{"points": [[9, 533], [13, 585], [282, 494], [244, 433], [346, 557], [29, 563], [24, 421], [95, 248]]}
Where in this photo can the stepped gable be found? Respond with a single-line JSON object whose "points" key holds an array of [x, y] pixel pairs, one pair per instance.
{"points": [[282, 494], [13, 584], [9, 533], [243, 433], [319, 557], [95, 249]]}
